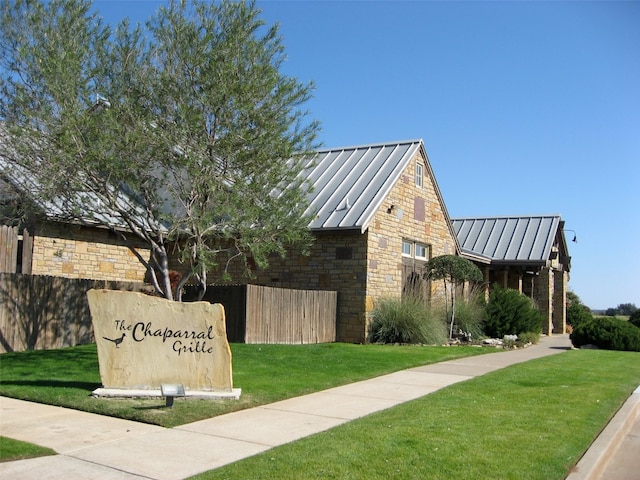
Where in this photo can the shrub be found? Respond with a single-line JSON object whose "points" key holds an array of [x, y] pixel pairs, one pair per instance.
{"points": [[634, 318], [405, 321], [529, 337], [607, 333], [470, 316], [578, 313], [511, 313]]}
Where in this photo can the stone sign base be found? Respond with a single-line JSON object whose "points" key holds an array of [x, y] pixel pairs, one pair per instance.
{"points": [[196, 394], [144, 342]]}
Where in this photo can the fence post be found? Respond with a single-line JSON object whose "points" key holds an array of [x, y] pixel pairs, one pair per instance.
{"points": [[27, 252]]}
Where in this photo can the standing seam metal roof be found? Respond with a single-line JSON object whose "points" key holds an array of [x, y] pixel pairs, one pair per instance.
{"points": [[515, 239], [350, 183]]}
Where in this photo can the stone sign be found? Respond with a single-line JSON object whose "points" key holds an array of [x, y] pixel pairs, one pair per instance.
{"points": [[145, 341]]}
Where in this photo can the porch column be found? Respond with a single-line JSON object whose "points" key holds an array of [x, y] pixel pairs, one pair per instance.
{"points": [[515, 281], [505, 278], [544, 299], [487, 282], [560, 301]]}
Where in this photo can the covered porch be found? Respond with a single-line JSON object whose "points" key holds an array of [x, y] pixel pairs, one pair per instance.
{"points": [[528, 254]]}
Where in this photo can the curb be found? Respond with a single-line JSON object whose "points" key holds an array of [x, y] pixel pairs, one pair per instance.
{"points": [[595, 460]]}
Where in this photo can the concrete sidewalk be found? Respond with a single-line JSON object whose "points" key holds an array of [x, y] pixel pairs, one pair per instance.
{"points": [[100, 447]]}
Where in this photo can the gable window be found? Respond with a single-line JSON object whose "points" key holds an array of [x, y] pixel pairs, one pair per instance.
{"points": [[421, 251], [416, 250], [419, 174], [407, 248]]}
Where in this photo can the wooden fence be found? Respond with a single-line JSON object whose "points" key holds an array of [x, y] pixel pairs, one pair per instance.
{"points": [[257, 314], [39, 312], [278, 315], [15, 250]]}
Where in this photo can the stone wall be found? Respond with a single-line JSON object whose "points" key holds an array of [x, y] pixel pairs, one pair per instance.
{"points": [[337, 263], [409, 213], [363, 267], [71, 251]]}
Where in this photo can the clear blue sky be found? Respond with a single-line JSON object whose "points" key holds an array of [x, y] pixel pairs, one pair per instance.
{"points": [[524, 108]]}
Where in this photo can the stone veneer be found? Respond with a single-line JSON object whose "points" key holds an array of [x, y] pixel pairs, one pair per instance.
{"points": [[71, 251], [363, 267]]}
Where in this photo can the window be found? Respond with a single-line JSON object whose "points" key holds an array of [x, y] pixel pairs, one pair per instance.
{"points": [[419, 174], [421, 251], [416, 250], [407, 248]]}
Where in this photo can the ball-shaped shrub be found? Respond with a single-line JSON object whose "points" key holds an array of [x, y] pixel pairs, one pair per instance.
{"points": [[634, 318], [578, 313], [510, 313], [607, 333]]}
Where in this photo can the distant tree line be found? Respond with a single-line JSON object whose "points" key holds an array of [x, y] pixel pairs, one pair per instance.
{"points": [[622, 309]]}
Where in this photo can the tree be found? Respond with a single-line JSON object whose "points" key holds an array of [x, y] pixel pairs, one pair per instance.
{"points": [[626, 308], [577, 312], [182, 133], [452, 270]]}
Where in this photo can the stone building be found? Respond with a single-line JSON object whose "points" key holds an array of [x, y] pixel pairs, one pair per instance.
{"points": [[379, 217]]}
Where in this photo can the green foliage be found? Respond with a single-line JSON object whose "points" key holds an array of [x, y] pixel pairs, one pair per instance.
{"points": [[626, 309], [511, 313], [577, 314], [452, 270], [634, 318], [182, 127], [529, 337], [470, 315], [405, 320], [607, 333]]}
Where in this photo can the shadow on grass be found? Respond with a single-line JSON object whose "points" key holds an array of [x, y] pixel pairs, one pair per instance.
{"points": [[88, 386]]}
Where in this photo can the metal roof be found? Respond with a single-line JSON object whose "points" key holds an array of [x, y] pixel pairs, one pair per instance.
{"points": [[525, 239], [350, 183], [61, 208]]}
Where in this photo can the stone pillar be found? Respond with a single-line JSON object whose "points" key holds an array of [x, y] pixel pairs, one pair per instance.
{"points": [[505, 278], [560, 302], [544, 299], [515, 281], [487, 282]]}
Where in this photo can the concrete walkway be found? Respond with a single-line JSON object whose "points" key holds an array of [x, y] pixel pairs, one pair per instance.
{"points": [[94, 446]]}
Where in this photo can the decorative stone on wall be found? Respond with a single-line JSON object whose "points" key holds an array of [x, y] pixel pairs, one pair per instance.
{"points": [[412, 213], [73, 251], [145, 341]]}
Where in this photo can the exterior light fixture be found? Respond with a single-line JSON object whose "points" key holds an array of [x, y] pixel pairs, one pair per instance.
{"points": [[170, 391], [575, 237]]}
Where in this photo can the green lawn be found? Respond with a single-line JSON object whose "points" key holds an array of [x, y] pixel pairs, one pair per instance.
{"points": [[528, 421], [266, 373], [16, 450]]}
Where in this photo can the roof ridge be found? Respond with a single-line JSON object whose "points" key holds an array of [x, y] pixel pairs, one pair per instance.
{"points": [[369, 145], [496, 217]]}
